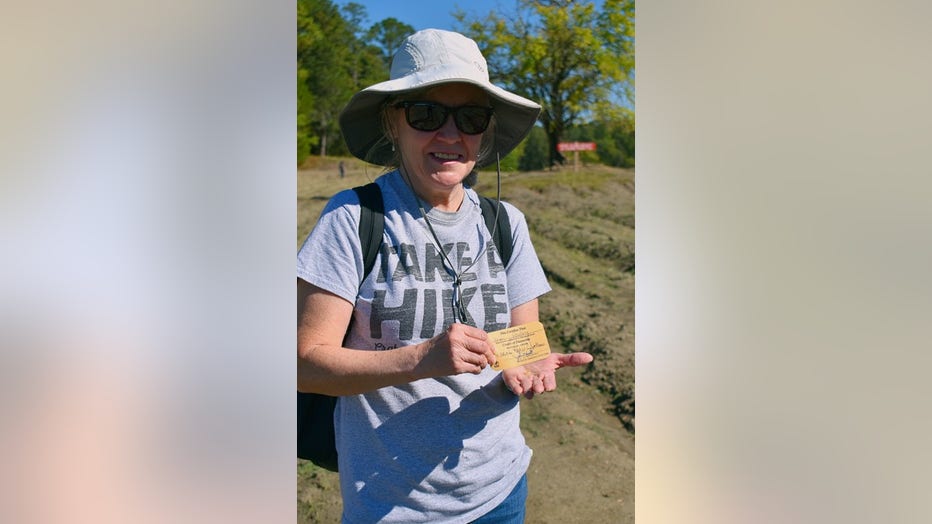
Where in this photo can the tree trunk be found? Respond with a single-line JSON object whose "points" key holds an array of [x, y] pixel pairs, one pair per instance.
{"points": [[553, 138], [324, 132]]}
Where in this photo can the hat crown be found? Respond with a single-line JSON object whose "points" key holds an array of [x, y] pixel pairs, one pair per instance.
{"points": [[437, 51]]}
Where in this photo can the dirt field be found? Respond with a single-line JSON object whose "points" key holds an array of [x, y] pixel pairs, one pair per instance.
{"points": [[582, 434]]}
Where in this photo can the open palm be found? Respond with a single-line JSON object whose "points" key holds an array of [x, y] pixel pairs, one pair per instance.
{"points": [[538, 377]]}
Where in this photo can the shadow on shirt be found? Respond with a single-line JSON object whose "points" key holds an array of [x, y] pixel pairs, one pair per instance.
{"points": [[425, 435]]}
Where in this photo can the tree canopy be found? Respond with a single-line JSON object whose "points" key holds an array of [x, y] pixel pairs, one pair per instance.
{"points": [[568, 56], [388, 35], [333, 62], [573, 57]]}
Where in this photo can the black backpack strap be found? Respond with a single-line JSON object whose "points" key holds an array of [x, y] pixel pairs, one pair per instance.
{"points": [[371, 224], [502, 238]]}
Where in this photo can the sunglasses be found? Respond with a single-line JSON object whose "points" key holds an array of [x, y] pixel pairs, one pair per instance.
{"points": [[430, 116]]}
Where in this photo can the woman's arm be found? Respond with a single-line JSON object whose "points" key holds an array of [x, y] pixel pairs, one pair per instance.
{"points": [[324, 366], [525, 313]]}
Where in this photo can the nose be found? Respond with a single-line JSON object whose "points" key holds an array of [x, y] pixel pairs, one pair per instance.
{"points": [[449, 131]]}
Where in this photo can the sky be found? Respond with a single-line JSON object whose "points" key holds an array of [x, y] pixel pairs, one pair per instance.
{"points": [[423, 14]]}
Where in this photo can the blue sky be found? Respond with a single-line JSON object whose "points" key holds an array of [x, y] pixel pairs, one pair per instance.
{"points": [[422, 14]]}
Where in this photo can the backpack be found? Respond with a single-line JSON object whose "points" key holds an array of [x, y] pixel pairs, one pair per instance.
{"points": [[316, 437]]}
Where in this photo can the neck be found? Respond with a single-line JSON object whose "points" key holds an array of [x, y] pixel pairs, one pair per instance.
{"points": [[444, 199]]}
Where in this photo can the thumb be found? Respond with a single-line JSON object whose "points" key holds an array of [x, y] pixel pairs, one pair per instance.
{"points": [[574, 359]]}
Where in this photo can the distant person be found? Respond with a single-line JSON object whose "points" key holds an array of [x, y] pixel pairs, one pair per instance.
{"points": [[342, 169], [426, 430]]}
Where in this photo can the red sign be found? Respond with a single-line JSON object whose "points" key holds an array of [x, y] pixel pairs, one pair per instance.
{"points": [[576, 146]]}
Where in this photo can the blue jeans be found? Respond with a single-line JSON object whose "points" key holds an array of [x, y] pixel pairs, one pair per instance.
{"points": [[511, 510]]}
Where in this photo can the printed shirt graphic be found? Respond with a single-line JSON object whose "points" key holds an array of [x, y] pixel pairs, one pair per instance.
{"points": [[434, 450]]}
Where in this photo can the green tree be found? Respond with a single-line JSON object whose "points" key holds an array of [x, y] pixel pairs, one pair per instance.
{"points": [[334, 62], [566, 55], [366, 61], [356, 17], [307, 37], [612, 129], [388, 36], [329, 61], [614, 132], [534, 155], [306, 138]]}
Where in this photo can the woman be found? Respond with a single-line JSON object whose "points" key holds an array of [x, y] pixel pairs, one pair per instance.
{"points": [[426, 431]]}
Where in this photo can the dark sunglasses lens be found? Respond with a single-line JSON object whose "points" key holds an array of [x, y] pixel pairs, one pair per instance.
{"points": [[430, 116], [425, 117], [472, 120]]}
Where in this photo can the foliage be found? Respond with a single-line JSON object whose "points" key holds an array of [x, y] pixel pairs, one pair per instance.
{"points": [[333, 63], [612, 130], [566, 55], [388, 35], [309, 34], [534, 156], [306, 136], [326, 60], [365, 66]]}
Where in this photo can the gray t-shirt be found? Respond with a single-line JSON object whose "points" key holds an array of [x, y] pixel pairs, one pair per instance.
{"points": [[434, 450]]}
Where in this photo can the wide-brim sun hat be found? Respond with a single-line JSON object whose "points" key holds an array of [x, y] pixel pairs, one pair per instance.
{"points": [[430, 58]]}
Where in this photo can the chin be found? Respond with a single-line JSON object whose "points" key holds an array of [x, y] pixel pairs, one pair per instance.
{"points": [[451, 174], [450, 179]]}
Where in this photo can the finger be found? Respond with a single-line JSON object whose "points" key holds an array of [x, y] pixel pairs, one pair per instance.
{"points": [[469, 331], [524, 386], [463, 335], [540, 385], [490, 355], [474, 369], [527, 382], [550, 382], [465, 361], [537, 385], [477, 344], [573, 359], [482, 347], [514, 386], [476, 360]]}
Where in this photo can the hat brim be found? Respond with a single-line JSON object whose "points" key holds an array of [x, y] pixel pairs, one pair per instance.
{"points": [[360, 120]]}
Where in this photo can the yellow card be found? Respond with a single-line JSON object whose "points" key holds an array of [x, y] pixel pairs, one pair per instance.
{"points": [[519, 345]]}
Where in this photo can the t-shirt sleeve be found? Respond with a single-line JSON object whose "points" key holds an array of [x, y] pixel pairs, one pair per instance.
{"points": [[331, 257], [526, 278]]}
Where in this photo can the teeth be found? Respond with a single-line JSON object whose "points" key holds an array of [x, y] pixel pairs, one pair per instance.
{"points": [[446, 156]]}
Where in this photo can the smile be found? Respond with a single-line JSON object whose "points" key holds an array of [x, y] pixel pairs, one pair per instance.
{"points": [[446, 156]]}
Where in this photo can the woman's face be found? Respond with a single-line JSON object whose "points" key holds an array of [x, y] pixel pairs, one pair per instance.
{"points": [[438, 161]]}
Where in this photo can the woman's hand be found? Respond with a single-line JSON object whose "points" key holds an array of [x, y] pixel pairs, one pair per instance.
{"points": [[461, 349], [538, 377]]}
